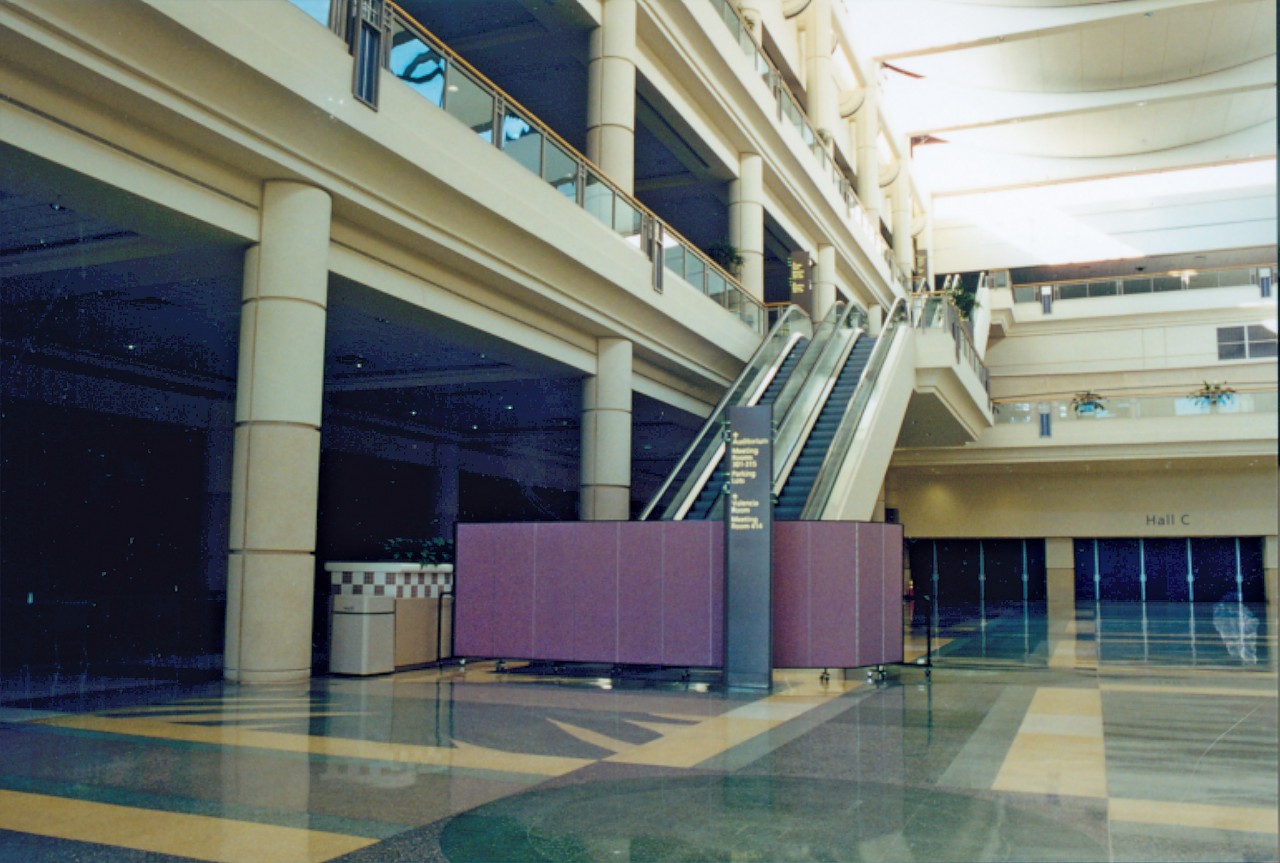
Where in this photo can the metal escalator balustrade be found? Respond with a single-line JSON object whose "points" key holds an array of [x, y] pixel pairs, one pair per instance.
{"points": [[896, 322], [700, 458]]}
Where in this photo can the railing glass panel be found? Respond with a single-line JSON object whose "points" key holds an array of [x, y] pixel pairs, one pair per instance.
{"points": [[522, 141], [560, 170], [317, 9], [469, 101], [598, 199], [417, 64]]}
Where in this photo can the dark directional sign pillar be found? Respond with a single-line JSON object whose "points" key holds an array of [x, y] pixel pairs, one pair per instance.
{"points": [[748, 558]]}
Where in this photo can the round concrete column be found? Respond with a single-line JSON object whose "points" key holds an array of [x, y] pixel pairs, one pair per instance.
{"points": [[276, 455], [605, 491], [868, 128], [903, 245], [820, 85], [611, 94], [824, 281], [746, 221]]}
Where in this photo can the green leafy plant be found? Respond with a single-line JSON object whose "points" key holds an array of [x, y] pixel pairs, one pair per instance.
{"points": [[435, 550], [966, 302], [1213, 393], [726, 254], [1088, 402]]}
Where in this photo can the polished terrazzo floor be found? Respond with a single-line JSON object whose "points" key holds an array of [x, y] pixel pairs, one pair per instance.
{"points": [[1111, 735]]}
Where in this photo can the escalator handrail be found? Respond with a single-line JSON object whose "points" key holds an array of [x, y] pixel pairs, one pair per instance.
{"points": [[784, 460], [842, 441], [792, 320]]}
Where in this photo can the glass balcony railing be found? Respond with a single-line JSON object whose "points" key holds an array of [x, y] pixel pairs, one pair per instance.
{"points": [[1161, 406], [431, 69], [790, 113], [1186, 280]]}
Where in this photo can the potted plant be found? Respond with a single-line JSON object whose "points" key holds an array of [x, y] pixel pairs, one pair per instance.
{"points": [[1213, 394], [1088, 403], [966, 302], [726, 254], [427, 552]]}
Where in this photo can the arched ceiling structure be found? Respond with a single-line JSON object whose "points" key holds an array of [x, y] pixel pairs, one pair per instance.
{"points": [[996, 95]]}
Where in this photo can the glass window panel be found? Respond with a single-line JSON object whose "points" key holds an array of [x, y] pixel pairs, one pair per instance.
{"points": [[731, 20], [560, 169], [1024, 295], [626, 218], [467, 100], [1230, 334], [1231, 351], [1167, 283], [1203, 280], [751, 315], [744, 42], [1073, 291], [1262, 349], [418, 65], [1102, 289], [733, 299], [694, 271], [317, 9], [598, 199], [1259, 333], [1137, 286], [522, 141]]}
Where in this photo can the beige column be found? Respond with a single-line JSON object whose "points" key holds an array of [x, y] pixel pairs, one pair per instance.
{"points": [[903, 245], [605, 491], [746, 221], [276, 456], [820, 85], [824, 281], [1060, 593], [868, 128], [611, 93]]}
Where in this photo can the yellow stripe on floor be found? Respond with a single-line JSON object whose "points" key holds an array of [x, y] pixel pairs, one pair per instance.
{"points": [[1188, 690], [690, 745], [201, 837], [461, 755], [1246, 819], [1058, 749]]}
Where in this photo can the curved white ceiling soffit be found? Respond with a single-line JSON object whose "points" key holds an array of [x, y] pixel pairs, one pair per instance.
{"points": [[1076, 89]]}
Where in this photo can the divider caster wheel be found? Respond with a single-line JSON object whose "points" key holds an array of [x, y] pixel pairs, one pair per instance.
{"points": [[501, 666], [825, 677]]}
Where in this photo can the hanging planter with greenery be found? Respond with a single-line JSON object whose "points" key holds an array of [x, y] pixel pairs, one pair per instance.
{"points": [[1213, 394], [1088, 403], [434, 551], [726, 254]]}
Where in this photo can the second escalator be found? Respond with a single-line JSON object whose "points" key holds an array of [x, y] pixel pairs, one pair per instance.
{"points": [[800, 481]]}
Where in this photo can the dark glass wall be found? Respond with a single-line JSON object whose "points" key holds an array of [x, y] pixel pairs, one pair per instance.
{"points": [[1218, 567]]}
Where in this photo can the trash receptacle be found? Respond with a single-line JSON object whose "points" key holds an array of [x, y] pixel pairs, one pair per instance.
{"points": [[364, 635]]}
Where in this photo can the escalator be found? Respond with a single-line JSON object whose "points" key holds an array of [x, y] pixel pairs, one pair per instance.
{"points": [[800, 479], [711, 490], [764, 377], [838, 398]]}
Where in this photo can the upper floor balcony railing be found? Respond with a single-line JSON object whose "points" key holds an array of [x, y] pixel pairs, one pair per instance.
{"points": [[1178, 280], [935, 310], [1094, 407], [423, 62], [790, 113]]}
